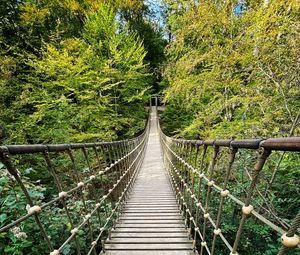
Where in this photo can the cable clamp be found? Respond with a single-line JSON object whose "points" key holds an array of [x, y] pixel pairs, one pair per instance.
{"points": [[80, 184], [74, 231], [217, 231], [206, 215], [225, 193], [247, 209], [87, 216], [290, 241], [210, 183], [62, 194], [34, 209]]}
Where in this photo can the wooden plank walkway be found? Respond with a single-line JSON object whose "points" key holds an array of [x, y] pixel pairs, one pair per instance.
{"points": [[151, 222]]}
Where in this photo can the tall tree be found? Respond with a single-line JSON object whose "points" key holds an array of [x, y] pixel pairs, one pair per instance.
{"points": [[235, 73], [76, 76], [144, 21]]}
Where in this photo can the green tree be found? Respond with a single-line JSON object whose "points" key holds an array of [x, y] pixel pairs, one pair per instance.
{"points": [[236, 74], [138, 16], [84, 88]]}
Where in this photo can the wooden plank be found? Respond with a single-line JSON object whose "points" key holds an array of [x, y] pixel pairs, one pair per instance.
{"points": [[151, 222], [153, 230], [149, 225], [146, 240], [153, 204], [157, 208], [172, 213], [144, 210], [150, 207], [137, 193], [153, 199], [149, 235], [149, 246], [135, 204], [151, 196], [145, 217], [147, 252]]}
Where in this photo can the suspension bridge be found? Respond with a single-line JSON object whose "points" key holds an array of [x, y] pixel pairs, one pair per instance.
{"points": [[149, 195]]}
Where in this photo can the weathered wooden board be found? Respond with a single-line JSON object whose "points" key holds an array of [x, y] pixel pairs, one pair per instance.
{"points": [[151, 222]]}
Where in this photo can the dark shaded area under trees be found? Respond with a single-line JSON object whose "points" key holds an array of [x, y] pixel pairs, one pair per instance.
{"points": [[75, 71]]}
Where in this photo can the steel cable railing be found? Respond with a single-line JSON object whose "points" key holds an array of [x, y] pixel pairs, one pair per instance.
{"points": [[202, 191], [100, 183]]}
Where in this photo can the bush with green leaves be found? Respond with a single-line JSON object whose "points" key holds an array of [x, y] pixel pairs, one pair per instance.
{"points": [[233, 73], [89, 87]]}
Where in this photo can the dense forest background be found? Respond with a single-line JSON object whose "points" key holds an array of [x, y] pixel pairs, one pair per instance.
{"points": [[74, 71], [84, 70], [233, 69], [77, 71]]}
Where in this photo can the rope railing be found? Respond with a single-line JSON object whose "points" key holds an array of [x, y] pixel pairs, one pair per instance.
{"points": [[203, 191], [98, 176], [92, 181]]}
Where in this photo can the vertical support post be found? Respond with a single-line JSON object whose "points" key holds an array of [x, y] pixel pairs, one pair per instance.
{"points": [[257, 169], [6, 160]]}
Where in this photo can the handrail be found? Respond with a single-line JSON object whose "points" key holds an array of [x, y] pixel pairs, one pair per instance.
{"points": [[35, 148], [110, 168], [282, 144], [118, 161], [184, 161]]}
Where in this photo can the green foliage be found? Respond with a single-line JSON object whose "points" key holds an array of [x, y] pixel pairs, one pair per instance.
{"points": [[143, 21], [70, 71], [233, 74], [26, 238], [278, 205], [78, 71], [81, 89]]}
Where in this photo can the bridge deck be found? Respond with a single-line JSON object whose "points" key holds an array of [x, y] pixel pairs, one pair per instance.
{"points": [[151, 222]]}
